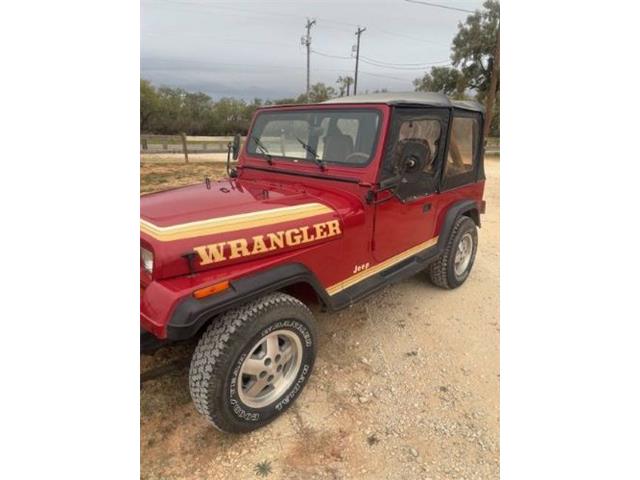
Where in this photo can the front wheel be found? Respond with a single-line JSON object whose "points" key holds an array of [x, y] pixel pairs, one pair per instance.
{"points": [[454, 265], [252, 362]]}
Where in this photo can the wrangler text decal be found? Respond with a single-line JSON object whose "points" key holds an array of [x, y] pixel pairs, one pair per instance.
{"points": [[243, 247]]}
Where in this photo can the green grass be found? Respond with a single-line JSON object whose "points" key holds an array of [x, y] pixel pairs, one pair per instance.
{"points": [[263, 469]]}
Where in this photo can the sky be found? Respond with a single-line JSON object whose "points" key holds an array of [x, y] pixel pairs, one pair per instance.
{"points": [[252, 48]]}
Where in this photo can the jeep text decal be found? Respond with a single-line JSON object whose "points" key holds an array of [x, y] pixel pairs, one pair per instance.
{"points": [[242, 247]]}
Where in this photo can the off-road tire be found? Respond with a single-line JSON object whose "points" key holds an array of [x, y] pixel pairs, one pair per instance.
{"points": [[216, 362], [442, 272]]}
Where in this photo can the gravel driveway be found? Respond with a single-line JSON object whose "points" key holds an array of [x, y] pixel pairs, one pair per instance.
{"points": [[406, 386]]}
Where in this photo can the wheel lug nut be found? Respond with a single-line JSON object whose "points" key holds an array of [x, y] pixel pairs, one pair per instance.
{"points": [[270, 378], [279, 368], [267, 362], [278, 358], [263, 374]]}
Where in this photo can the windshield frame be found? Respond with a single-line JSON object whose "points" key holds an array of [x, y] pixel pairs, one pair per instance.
{"points": [[290, 160]]}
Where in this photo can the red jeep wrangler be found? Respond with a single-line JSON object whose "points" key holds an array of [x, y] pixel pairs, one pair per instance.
{"points": [[329, 203]]}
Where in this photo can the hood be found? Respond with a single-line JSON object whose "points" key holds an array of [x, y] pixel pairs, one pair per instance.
{"points": [[204, 226]]}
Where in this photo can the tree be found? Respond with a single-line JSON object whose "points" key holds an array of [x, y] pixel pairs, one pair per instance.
{"points": [[229, 116], [476, 51], [196, 110], [474, 46], [344, 85], [281, 101], [446, 80], [170, 111], [170, 119], [474, 69], [318, 92], [149, 104]]}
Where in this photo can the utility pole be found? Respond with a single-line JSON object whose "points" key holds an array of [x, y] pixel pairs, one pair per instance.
{"points": [[493, 84], [306, 41], [355, 80]]}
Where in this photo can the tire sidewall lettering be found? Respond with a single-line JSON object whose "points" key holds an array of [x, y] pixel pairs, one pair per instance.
{"points": [[293, 392], [236, 405], [290, 325], [245, 413]]}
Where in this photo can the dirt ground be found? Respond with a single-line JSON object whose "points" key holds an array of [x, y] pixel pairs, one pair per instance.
{"points": [[406, 386]]}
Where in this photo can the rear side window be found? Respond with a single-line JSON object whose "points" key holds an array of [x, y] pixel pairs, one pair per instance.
{"points": [[463, 151]]}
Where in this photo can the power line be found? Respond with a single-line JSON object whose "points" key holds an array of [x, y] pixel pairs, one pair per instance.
{"points": [[446, 7], [385, 76], [370, 61], [383, 64], [396, 67], [330, 56], [419, 64], [214, 37], [254, 14]]}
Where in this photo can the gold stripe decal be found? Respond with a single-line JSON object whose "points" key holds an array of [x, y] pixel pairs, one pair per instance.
{"points": [[363, 275], [233, 222]]}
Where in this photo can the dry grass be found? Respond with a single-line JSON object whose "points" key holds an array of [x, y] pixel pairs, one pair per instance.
{"points": [[155, 177]]}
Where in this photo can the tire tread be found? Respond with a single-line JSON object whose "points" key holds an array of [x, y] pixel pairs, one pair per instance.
{"points": [[211, 354], [438, 270]]}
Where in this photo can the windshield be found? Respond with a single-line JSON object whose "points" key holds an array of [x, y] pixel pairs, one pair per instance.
{"points": [[343, 136]]}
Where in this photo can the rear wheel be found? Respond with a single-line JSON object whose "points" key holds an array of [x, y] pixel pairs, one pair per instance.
{"points": [[454, 265], [252, 362]]}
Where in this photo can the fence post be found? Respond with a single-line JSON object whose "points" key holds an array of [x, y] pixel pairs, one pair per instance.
{"points": [[145, 146], [184, 147]]}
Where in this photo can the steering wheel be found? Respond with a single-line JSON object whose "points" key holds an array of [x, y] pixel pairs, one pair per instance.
{"points": [[357, 157]]}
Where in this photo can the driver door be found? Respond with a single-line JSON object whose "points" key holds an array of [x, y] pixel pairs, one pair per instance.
{"points": [[406, 220]]}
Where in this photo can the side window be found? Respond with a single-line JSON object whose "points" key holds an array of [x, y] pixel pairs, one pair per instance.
{"points": [[460, 166], [415, 152], [425, 133]]}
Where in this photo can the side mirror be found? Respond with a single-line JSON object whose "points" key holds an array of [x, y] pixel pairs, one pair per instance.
{"points": [[390, 182], [235, 148]]}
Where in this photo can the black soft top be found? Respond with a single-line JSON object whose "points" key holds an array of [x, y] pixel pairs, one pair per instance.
{"points": [[431, 99]]}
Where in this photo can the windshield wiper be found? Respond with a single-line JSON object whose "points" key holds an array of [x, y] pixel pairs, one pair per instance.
{"points": [[312, 152], [263, 149]]}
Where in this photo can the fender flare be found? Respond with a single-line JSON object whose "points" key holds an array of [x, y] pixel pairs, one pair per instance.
{"points": [[191, 314], [453, 213]]}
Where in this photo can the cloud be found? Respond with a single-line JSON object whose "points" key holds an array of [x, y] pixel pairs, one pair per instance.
{"points": [[252, 49], [221, 80]]}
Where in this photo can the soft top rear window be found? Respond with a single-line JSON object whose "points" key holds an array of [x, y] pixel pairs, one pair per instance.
{"points": [[341, 136]]}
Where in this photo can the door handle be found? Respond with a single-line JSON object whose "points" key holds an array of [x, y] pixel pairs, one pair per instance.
{"points": [[426, 207]]}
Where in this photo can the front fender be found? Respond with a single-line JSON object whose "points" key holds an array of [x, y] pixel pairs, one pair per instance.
{"points": [[191, 314]]}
